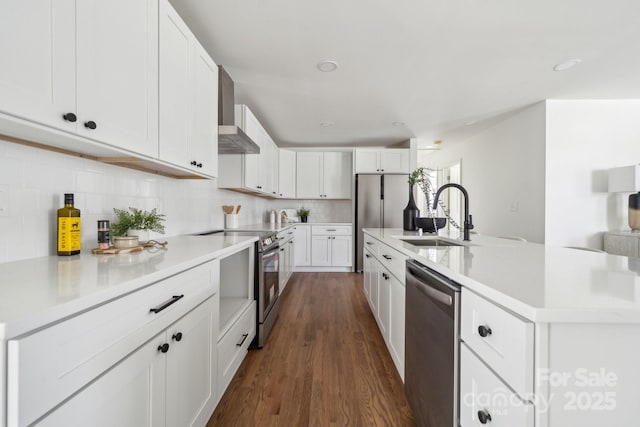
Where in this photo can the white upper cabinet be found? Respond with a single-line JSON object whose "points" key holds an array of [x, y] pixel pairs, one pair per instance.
{"points": [[287, 174], [249, 172], [117, 73], [391, 160], [38, 73], [188, 97], [323, 175], [203, 146], [309, 175]]}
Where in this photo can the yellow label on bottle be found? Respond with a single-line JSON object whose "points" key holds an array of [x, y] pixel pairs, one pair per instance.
{"points": [[69, 235]]}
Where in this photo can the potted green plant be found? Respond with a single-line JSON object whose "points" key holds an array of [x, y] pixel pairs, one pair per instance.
{"points": [[137, 222], [420, 176], [303, 213]]}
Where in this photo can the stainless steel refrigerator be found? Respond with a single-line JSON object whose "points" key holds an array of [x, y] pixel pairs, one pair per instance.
{"points": [[380, 200]]}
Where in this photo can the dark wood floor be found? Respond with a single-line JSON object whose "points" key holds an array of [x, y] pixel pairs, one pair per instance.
{"points": [[324, 364]]}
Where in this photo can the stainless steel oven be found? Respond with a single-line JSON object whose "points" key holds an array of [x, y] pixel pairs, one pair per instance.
{"points": [[267, 287]]}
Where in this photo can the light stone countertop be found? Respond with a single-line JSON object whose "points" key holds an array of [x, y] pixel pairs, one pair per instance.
{"points": [[538, 282], [40, 291]]}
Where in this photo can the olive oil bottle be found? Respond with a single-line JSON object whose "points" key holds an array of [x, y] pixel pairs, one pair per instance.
{"points": [[69, 235]]}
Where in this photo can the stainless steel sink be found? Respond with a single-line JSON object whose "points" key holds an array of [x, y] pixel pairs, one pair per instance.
{"points": [[430, 242]]}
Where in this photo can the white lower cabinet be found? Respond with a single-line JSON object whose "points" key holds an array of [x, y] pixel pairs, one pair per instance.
{"points": [[168, 381], [131, 394], [287, 252], [302, 249], [323, 247], [385, 293], [331, 246], [486, 400], [233, 346]]}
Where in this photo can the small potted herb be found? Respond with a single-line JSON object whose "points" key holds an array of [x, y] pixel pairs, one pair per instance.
{"points": [[137, 222], [303, 213]]}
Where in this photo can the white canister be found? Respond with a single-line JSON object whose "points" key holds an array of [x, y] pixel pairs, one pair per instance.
{"points": [[231, 220], [272, 217]]}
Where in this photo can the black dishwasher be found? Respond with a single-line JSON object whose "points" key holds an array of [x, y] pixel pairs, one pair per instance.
{"points": [[432, 347]]}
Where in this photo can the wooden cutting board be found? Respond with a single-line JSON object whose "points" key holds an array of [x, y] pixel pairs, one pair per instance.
{"points": [[139, 248]]}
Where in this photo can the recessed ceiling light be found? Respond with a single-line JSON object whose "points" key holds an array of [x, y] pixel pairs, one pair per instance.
{"points": [[327, 124], [399, 124], [327, 66], [565, 65]]}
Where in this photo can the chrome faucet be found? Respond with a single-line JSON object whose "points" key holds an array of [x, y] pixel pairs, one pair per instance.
{"points": [[468, 222]]}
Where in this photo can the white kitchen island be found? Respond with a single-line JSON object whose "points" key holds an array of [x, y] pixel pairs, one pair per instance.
{"points": [[131, 339], [565, 328]]}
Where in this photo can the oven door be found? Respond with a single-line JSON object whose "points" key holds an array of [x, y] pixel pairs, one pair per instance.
{"points": [[270, 283]]}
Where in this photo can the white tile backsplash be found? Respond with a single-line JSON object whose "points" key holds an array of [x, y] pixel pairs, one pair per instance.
{"points": [[37, 179]]}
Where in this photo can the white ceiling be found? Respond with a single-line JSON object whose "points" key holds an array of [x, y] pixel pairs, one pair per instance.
{"points": [[431, 64]]}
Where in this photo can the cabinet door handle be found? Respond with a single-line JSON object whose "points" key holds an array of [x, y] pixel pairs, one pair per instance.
{"points": [[199, 165], [163, 348], [367, 255], [331, 229], [386, 276], [484, 417], [90, 124], [369, 243], [193, 163], [177, 337], [484, 331], [281, 249], [244, 338], [386, 257], [166, 304], [70, 117]]}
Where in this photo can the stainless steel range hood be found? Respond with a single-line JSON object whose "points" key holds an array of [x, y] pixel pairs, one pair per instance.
{"points": [[231, 139]]}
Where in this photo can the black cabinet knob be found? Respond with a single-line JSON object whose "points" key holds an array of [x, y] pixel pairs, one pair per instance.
{"points": [[484, 331], [70, 117], [163, 348], [193, 163], [484, 417], [199, 165], [280, 194], [177, 337], [90, 124]]}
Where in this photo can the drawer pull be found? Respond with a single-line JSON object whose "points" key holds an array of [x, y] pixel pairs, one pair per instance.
{"points": [[244, 338], [177, 337], [331, 229], [166, 304], [484, 417], [281, 249], [484, 332], [386, 276], [386, 257], [369, 243], [367, 255], [163, 348]]}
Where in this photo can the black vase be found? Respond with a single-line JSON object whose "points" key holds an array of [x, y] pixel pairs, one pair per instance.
{"points": [[410, 213]]}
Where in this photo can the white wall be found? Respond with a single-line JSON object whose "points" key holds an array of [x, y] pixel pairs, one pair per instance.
{"points": [[33, 181], [503, 171], [584, 140]]}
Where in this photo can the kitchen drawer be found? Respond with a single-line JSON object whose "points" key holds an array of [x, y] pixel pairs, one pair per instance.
{"points": [[372, 244], [482, 391], [232, 348], [285, 235], [393, 260], [82, 347], [331, 230], [508, 345]]}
